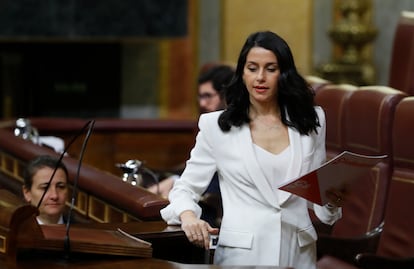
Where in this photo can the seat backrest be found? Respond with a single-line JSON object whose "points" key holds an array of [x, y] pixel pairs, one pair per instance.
{"points": [[368, 119], [332, 98], [317, 82], [397, 238], [402, 57]]}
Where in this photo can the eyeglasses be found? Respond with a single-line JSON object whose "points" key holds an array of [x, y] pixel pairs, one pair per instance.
{"points": [[206, 96]]}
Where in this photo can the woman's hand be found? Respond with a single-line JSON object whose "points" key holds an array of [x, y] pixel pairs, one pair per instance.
{"points": [[197, 231], [337, 196]]}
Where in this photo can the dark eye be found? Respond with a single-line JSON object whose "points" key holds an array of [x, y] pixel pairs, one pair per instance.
{"points": [[61, 186], [272, 68]]}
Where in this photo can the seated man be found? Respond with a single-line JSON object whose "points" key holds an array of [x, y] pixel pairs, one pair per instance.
{"points": [[37, 175]]}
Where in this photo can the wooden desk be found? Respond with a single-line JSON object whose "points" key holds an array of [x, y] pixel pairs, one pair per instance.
{"points": [[26, 244], [171, 249], [168, 242], [111, 263]]}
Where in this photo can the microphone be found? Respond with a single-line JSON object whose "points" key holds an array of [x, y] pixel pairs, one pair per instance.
{"points": [[132, 169], [25, 130], [90, 124]]}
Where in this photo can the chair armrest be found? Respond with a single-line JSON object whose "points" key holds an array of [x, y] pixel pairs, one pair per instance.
{"points": [[372, 261], [347, 249]]}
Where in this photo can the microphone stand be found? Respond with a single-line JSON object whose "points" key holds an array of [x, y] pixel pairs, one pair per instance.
{"points": [[75, 188], [91, 124]]}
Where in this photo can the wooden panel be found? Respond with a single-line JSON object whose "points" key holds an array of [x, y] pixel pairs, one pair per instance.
{"points": [[110, 197], [160, 144]]}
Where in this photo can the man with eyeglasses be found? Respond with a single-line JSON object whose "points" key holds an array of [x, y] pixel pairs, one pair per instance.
{"points": [[210, 87]]}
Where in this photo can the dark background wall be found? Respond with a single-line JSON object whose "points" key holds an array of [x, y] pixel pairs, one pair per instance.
{"points": [[93, 18], [67, 58]]}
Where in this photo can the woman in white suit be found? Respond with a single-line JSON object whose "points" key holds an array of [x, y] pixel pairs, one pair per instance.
{"points": [[270, 133]]}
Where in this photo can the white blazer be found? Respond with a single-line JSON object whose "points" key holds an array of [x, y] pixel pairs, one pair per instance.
{"points": [[259, 226]]}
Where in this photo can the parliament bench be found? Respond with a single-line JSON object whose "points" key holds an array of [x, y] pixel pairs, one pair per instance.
{"points": [[375, 122], [100, 196]]}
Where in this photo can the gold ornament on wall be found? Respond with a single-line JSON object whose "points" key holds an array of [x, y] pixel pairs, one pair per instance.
{"points": [[351, 34]]}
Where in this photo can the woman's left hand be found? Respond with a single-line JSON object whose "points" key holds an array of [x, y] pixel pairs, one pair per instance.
{"points": [[337, 197]]}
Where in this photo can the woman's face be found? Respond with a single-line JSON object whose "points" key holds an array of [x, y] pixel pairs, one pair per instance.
{"points": [[260, 75], [56, 196]]}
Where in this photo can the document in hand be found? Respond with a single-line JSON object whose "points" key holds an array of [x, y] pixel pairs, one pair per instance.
{"points": [[337, 173]]}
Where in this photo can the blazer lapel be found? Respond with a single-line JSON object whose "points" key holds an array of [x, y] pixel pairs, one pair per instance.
{"points": [[253, 168]]}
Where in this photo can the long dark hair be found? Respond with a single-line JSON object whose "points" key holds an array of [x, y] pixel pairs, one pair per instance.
{"points": [[294, 96]]}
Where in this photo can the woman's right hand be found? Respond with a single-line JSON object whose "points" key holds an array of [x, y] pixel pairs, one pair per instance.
{"points": [[197, 230]]}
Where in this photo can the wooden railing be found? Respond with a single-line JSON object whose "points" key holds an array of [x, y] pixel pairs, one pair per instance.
{"points": [[161, 145], [101, 197]]}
